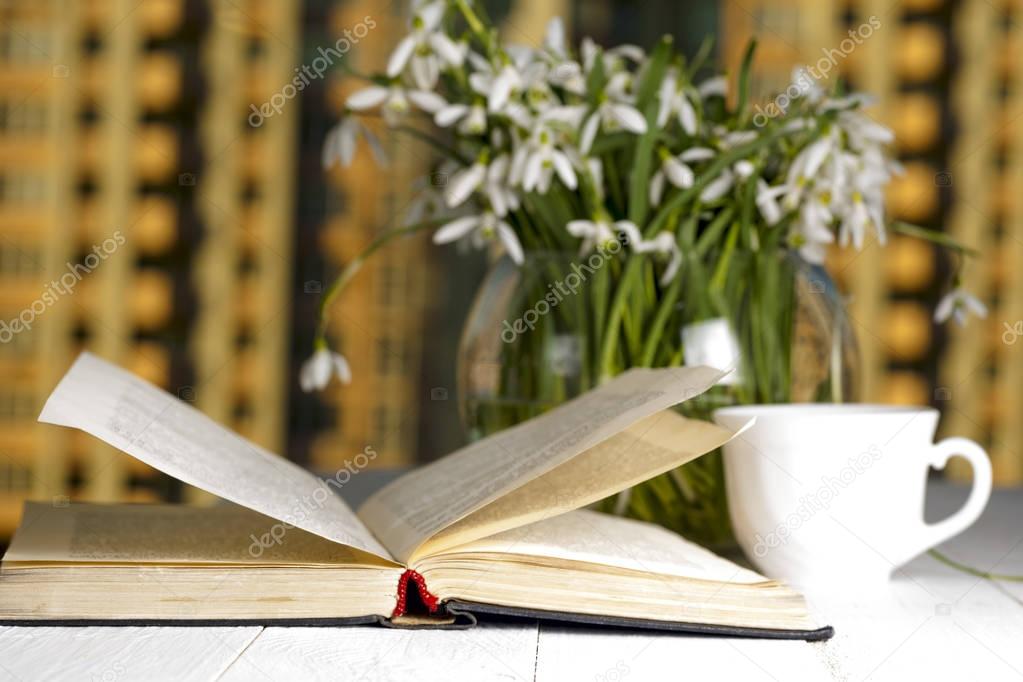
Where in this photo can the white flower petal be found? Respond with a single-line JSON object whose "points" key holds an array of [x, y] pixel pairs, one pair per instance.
{"points": [[379, 155], [430, 102], [331, 148], [456, 229], [532, 173], [631, 232], [717, 188], [425, 72], [447, 49], [697, 154], [564, 169], [341, 368], [589, 133], [686, 115], [713, 87], [554, 40], [744, 168], [581, 228], [680, 174], [511, 242], [463, 183], [628, 117], [449, 114], [657, 188], [367, 98], [400, 56], [501, 88]]}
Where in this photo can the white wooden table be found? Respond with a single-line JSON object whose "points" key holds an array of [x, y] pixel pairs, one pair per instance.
{"points": [[933, 623]]}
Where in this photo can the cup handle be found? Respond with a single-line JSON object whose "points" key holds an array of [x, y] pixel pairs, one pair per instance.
{"points": [[938, 455]]}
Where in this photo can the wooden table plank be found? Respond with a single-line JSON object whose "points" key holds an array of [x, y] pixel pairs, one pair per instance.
{"points": [[573, 653], [128, 653], [495, 652]]}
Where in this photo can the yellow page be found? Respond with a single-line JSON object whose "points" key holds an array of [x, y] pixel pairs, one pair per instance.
{"points": [[164, 534], [420, 504], [155, 427], [595, 538], [648, 448]]}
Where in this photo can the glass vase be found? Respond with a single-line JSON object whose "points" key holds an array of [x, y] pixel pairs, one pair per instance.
{"points": [[531, 342]]}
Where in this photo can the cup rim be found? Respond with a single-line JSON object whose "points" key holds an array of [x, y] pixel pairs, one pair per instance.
{"points": [[817, 410]]}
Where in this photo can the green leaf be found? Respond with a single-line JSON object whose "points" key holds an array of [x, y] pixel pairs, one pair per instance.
{"points": [[639, 179], [651, 82], [744, 77], [597, 79]]}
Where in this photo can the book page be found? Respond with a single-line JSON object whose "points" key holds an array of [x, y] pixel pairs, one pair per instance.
{"points": [[167, 434], [169, 534], [648, 448], [606, 540], [417, 506]]}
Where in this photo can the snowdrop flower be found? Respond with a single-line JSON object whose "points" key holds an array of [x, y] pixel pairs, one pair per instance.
{"points": [[807, 85], [471, 119], [464, 182], [803, 169], [674, 101], [674, 170], [323, 364], [537, 160], [611, 115], [863, 132], [957, 304], [497, 188], [497, 86], [481, 230], [735, 138], [339, 147], [492, 177], [427, 48], [663, 243], [813, 229], [395, 100], [601, 232], [855, 220], [767, 201], [713, 87], [718, 187], [613, 58], [562, 71]]}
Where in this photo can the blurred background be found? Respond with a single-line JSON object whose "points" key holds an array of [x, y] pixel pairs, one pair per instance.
{"points": [[145, 217]]}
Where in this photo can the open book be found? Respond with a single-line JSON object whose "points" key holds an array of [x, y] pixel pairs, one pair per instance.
{"points": [[497, 527]]}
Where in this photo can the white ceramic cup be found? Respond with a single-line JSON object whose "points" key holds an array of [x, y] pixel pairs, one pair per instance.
{"points": [[834, 494]]}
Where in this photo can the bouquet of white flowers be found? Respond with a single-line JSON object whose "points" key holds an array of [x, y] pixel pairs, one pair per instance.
{"points": [[550, 149], [692, 201]]}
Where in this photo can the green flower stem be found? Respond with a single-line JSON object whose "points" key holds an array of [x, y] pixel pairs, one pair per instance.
{"points": [[656, 330], [475, 25], [939, 238], [350, 270], [712, 234], [973, 571]]}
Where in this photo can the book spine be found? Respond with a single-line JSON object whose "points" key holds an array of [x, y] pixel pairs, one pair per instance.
{"points": [[419, 583]]}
